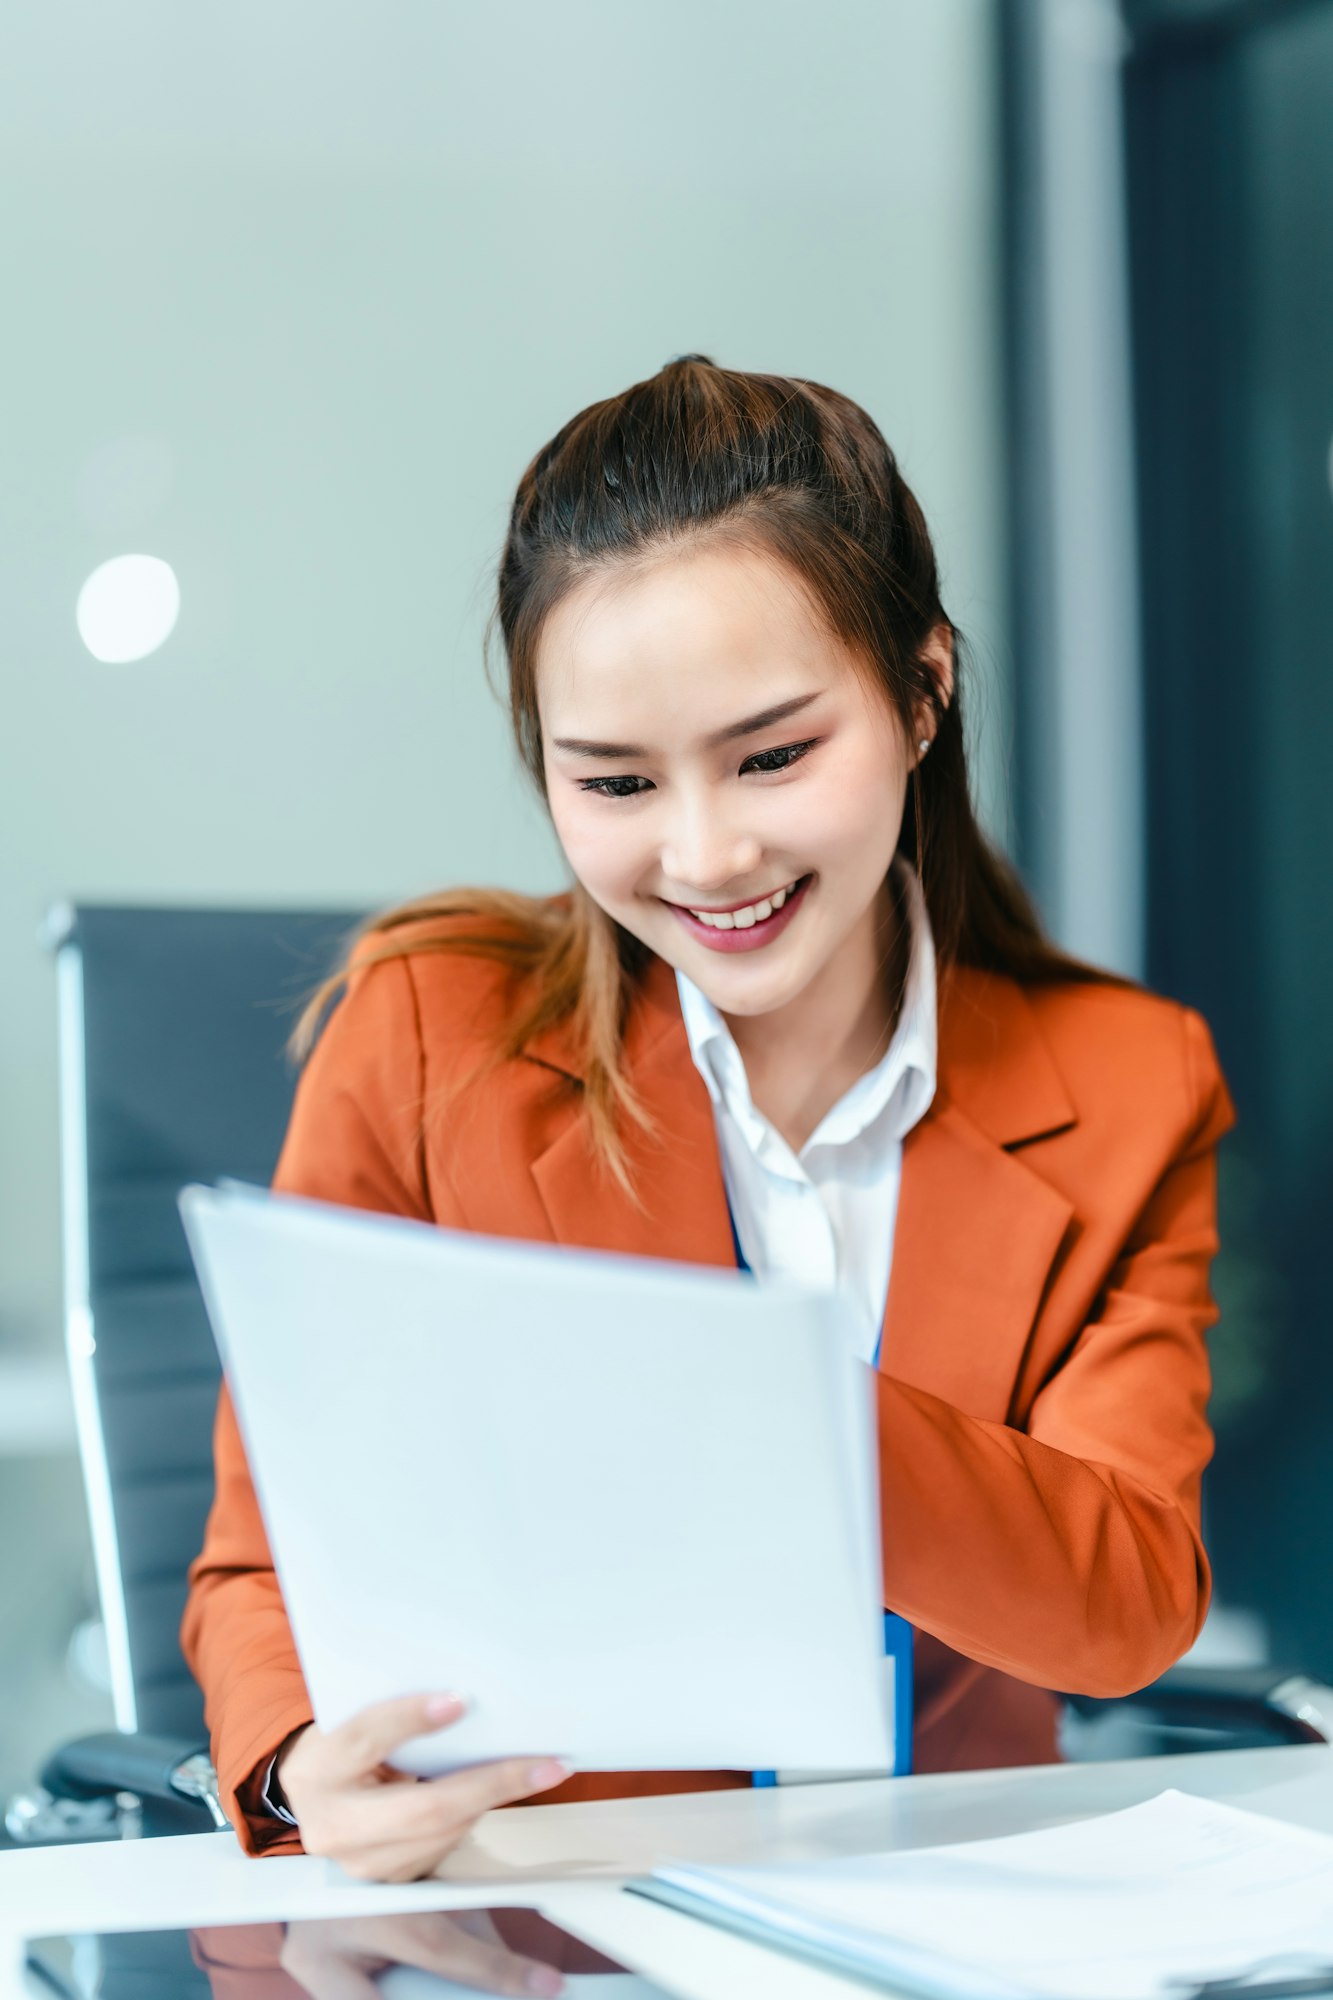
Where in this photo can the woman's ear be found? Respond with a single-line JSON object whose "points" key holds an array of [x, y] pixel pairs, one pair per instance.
{"points": [[937, 657], [937, 654]]}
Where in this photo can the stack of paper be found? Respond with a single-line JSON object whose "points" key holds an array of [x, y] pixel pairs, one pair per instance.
{"points": [[1153, 1903], [627, 1508]]}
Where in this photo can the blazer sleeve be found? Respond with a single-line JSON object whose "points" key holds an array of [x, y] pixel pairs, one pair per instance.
{"points": [[353, 1138], [1078, 1559]]}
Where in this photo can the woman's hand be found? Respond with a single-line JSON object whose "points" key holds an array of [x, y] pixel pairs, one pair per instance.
{"points": [[341, 1959], [382, 1825]]}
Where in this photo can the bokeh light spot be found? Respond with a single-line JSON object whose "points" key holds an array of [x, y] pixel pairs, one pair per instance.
{"points": [[128, 608]]}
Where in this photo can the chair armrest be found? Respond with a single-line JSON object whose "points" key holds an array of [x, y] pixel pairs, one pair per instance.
{"points": [[1287, 1705], [174, 1768]]}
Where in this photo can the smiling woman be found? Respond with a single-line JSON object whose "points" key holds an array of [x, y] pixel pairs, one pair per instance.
{"points": [[757, 865], [794, 1009], [765, 523]]}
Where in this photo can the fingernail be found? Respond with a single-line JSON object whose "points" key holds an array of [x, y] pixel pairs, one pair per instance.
{"points": [[441, 1707], [542, 1776], [544, 1979]]}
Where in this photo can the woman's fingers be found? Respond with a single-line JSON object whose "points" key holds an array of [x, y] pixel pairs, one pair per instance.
{"points": [[467, 1794], [341, 1790], [351, 1752], [439, 1811]]}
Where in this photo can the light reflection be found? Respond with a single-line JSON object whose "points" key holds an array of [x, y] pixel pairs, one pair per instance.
{"points": [[128, 608]]}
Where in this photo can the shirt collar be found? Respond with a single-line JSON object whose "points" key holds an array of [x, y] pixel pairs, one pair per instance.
{"points": [[904, 1078]]}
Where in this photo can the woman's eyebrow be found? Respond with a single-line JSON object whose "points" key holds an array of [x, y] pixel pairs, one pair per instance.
{"points": [[582, 747]]}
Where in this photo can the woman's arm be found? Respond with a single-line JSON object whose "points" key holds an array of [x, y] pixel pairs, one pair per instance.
{"points": [[238, 1642], [1068, 1552]]}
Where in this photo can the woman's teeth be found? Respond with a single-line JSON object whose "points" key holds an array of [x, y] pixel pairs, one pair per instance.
{"points": [[741, 920]]}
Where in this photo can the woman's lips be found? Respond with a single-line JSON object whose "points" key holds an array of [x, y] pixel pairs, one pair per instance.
{"points": [[755, 936]]}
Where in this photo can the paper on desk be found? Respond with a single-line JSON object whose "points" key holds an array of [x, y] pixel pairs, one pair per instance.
{"points": [[1134, 1905], [626, 1507]]}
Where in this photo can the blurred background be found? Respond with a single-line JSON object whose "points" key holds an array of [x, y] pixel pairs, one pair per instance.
{"points": [[291, 296]]}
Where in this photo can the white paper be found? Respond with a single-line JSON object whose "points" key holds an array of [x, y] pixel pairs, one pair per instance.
{"points": [[1134, 1905], [625, 1507]]}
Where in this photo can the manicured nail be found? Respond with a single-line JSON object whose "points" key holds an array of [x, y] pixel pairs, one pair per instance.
{"points": [[544, 1979], [542, 1776], [444, 1707]]}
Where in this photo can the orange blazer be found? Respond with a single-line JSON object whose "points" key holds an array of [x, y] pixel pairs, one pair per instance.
{"points": [[1043, 1374]]}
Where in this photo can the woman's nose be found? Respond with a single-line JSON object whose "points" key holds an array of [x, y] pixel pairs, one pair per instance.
{"points": [[706, 855]]}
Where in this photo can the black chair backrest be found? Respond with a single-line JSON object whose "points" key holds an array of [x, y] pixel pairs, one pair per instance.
{"points": [[173, 1069]]}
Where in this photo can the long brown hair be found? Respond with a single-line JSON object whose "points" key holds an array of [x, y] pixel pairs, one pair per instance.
{"points": [[802, 473]]}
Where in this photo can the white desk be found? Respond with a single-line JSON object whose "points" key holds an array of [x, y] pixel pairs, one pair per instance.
{"points": [[570, 1860]]}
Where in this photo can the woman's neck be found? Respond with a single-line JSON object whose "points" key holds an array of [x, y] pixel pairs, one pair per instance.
{"points": [[800, 1060]]}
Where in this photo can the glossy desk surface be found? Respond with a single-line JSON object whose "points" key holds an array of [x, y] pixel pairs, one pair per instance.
{"points": [[570, 1860]]}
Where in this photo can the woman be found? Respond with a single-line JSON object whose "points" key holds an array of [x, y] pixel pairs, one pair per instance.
{"points": [[795, 1008]]}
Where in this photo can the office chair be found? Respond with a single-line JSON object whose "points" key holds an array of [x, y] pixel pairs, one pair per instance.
{"points": [[172, 1033]]}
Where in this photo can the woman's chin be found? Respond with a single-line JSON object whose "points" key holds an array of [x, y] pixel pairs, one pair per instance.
{"points": [[745, 985]]}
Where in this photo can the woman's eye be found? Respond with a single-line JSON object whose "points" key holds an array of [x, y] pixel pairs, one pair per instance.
{"points": [[615, 788], [777, 760]]}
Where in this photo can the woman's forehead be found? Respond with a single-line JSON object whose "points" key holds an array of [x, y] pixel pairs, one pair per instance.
{"points": [[690, 634]]}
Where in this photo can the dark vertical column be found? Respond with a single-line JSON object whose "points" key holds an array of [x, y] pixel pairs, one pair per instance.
{"points": [[1230, 144], [1026, 440]]}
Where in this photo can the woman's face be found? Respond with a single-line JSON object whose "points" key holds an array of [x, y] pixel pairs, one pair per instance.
{"points": [[723, 779]]}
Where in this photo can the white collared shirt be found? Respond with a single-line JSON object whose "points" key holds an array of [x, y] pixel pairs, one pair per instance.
{"points": [[826, 1216]]}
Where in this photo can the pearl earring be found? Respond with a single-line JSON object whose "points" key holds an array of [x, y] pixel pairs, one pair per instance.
{"points": [[924, 745]]}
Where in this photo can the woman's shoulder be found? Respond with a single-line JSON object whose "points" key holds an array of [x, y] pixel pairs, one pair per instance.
{"points": [[1119, 1046], [1112, 1050], [448, 969], [427, 993]]}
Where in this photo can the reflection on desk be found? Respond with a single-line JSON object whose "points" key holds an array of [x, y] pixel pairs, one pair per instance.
{"points": [[422, 1955]]}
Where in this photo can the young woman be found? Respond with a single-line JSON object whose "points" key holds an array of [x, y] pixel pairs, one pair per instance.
{"points": [[793, 1006]]}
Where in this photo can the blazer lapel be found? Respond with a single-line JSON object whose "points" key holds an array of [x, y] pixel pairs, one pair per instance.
{"points": [[977, 1230], [681, 1211]]}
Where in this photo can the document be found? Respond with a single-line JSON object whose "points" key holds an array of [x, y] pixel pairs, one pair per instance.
{"points": [[626, 1508], [1153, 1903]]}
